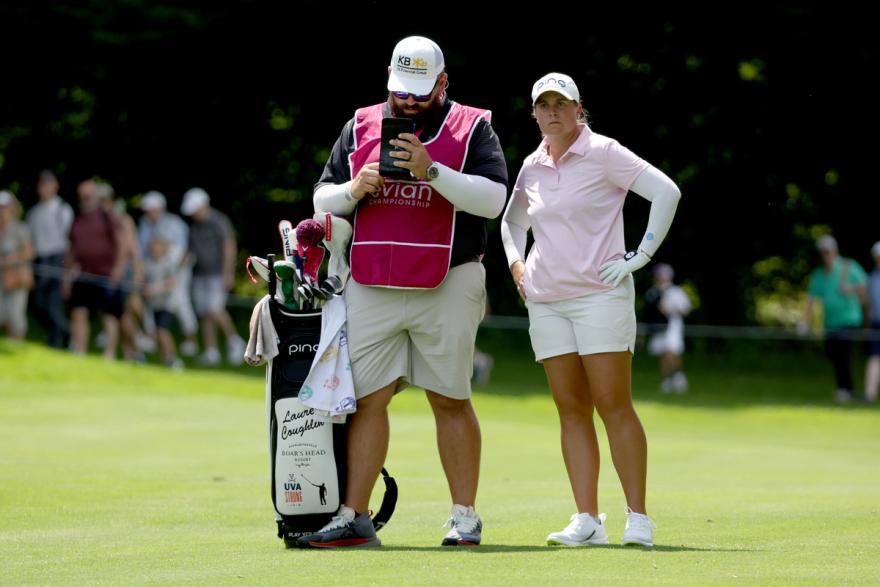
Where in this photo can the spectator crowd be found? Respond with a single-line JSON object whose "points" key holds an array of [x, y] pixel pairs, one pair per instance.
{"points": [[140, 281], [163, 279]]}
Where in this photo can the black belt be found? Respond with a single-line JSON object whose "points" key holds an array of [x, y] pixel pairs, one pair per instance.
{"points": [[470, 259]]}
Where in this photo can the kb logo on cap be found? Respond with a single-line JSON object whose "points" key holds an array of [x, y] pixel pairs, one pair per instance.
{"points": [[414, 62]]}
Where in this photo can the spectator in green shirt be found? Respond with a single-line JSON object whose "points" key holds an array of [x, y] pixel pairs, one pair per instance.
{"points": [[839, 284]]}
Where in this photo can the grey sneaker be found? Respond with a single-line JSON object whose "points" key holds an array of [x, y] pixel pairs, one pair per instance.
{"points": [[344, 530], [466, 527]]}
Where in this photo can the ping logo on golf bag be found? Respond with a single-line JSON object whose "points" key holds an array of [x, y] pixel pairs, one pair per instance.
{"points": [[302, 348], [285, 238]]}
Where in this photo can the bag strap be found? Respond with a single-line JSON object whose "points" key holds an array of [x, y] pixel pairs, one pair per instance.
{"points": [[389, 501]]}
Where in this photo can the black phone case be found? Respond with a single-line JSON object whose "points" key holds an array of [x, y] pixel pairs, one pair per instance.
{"points": [[391, 127]]}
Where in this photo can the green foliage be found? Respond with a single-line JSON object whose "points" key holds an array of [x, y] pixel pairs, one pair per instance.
{"points": [[690, 288], [284, 196], [693, 62], [282, 118], [778, 292], [240, 99], [752, 71], [110, 23]]}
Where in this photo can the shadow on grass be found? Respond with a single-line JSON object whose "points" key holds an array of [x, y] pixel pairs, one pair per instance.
{"points": [[506, 549]]}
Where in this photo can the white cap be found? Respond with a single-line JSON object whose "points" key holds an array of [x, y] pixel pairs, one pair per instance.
{"points": [[193, 201], [875, 250], [415, 65], [153, 200], [826, 242], [556, 82], [6, 198]]}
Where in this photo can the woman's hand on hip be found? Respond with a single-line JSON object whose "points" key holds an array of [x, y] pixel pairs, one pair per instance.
{"points": [[518, 271]]}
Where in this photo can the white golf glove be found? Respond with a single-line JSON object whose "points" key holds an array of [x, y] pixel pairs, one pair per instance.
{"points": [[614, 271]]}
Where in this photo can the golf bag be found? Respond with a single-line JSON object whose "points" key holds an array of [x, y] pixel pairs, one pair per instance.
{"points": [[307, 449]]}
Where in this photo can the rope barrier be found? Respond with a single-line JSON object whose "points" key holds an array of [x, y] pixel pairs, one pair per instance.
{"points": [[495, 322]]}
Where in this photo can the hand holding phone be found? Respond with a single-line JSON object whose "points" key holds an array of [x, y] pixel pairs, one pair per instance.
{"points": [[391, 128]]}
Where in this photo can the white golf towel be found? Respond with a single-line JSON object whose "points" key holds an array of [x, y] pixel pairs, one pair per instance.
{"points": [[262, 342], [329, 386]]}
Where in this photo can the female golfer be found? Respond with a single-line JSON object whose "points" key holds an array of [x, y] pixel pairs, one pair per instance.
{"points": [[577, 287]]}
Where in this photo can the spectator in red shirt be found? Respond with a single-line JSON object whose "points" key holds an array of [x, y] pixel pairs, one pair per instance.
{"points": [[94, 271]]}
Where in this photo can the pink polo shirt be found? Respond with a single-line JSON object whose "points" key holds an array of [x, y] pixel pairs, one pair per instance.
{"points": [[575, 207]]}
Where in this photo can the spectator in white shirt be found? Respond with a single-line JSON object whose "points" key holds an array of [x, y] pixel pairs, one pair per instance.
{"points": [[49, 222], [157, 221]]}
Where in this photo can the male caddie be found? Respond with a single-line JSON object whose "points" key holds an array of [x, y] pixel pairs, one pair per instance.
{"points": [[417, 291]]}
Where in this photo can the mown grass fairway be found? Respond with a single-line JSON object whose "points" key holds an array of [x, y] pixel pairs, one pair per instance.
{"points": [[116, 474]]}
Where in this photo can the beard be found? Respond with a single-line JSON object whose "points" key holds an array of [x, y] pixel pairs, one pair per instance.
{"points": [[420, 112]]}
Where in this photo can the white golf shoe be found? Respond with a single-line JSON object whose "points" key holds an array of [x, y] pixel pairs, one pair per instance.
{"points": [[639, 530], [210, 358], [679, 382], [583, 530], [189, 348]]}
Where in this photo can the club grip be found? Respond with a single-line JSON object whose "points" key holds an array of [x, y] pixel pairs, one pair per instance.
{"points": [[273, 283]]}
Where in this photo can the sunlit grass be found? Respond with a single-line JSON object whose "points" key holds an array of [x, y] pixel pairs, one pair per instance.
{"points": [[120, 474]]}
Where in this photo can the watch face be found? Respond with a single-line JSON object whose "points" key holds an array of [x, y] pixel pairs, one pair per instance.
{"points": [[433, 171], [629, 255]]}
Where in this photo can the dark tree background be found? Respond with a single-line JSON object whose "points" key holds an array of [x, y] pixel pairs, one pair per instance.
{"points": [[762, 112]]}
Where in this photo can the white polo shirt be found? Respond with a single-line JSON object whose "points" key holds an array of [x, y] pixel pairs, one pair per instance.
{"points": [[575, 210], [50, 221]]}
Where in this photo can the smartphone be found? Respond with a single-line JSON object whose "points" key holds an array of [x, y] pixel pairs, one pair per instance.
{"points": [[391, 127]]}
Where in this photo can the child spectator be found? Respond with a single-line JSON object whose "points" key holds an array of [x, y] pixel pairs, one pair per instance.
{"points": [[665, 309], [159, 276]]}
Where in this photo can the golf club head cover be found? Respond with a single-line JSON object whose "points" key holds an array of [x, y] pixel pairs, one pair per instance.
{"points": [[259, 265], [337, 237], [312, 256], [309, 233], [289, 281]]}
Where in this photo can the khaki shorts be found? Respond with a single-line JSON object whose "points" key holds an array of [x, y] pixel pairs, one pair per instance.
{"points": [[208, 294], [670, 340], [603, 322], [424, 337], [13, 311]]}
